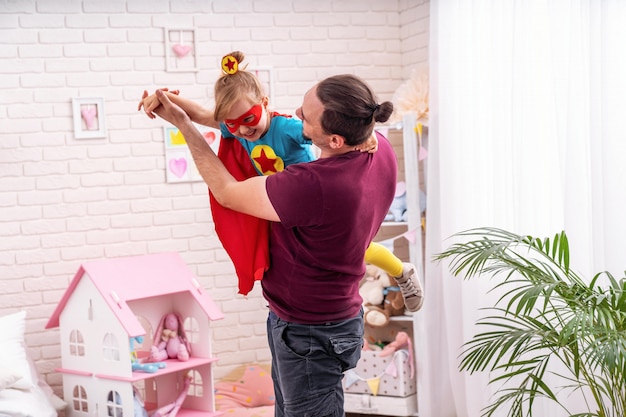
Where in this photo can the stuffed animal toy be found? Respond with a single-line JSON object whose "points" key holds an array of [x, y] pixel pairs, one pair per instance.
{"points": [[376, 316], [394, 302], [381, 297], [373, 284], [170, 341], [171, 409], [398, 210], [393, 305], [402, 341], [372, 346], [136, 363]]}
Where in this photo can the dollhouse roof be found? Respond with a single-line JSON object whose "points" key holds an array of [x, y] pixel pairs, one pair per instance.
{"points": [[119, 280]]}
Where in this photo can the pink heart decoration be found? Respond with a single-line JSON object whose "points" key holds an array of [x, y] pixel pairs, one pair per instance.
{"points": [[178, 166], [209, 137], [89, 115], [181, 50]]}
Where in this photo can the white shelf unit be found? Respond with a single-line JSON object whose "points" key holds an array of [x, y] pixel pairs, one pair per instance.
{"points": [[405, 141]]}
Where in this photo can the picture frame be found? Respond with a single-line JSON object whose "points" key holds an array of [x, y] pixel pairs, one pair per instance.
{"points": [[89, 117], [181, 46], [179, 165]]}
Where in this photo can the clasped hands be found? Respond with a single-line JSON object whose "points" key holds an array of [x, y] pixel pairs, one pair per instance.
{"points": [[159, 104], [150, 102]]}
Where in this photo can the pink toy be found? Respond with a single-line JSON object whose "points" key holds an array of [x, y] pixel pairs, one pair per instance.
{"points": [[170, 341], [136, 363], [171, 409], [402, 340], [90, 115]]}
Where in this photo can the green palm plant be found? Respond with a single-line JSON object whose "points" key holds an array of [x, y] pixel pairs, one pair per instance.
{"points": [[546, 313]]}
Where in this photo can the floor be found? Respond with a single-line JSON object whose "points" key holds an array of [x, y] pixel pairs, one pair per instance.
{"points": [[365, 415]]}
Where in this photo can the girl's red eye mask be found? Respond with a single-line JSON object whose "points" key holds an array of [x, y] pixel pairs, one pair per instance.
{"points": [[249, 118]]}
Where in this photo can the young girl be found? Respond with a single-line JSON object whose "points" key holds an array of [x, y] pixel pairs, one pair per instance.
{"points": [[272, 142]]}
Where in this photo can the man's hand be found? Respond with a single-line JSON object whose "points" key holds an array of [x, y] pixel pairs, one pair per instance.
{"points": [[171, 112], [151, 102]]}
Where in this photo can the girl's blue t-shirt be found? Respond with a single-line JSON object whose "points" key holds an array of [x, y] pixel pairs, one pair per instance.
{"points": [[281, 146]]}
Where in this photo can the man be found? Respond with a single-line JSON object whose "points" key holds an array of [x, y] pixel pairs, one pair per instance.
{"points": [[326, 213]]}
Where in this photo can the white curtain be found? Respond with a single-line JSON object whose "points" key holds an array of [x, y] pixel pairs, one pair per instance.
{"points": [[527, 132]]}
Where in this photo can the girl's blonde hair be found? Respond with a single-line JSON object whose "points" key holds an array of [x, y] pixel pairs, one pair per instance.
{"points": [[232, 87]]}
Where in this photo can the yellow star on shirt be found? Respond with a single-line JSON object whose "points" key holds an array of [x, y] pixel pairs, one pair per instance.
{"points": [[266, 160]]}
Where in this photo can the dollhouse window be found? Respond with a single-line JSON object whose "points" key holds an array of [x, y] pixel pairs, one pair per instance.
{"points": [[195, 387], [77, 343], [79, 399], [192, 330], [110, 348], [114, 407]]}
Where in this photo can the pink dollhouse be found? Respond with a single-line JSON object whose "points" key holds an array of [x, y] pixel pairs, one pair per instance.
{"points": [[107, 319]]}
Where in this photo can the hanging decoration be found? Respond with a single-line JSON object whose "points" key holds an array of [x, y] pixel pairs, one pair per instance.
{"points": [[181, 46], [422, 151], [181, 49], [373, 384]]}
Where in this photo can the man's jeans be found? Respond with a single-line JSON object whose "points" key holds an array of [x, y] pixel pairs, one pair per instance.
{"points": [[308, 362]]}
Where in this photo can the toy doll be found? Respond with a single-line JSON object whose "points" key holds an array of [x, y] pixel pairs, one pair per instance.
{"points": [[170, 341], [171, 409]]}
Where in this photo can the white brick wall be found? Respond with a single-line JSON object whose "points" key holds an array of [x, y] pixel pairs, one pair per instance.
{"points": [[414, 28], [64, 201]]}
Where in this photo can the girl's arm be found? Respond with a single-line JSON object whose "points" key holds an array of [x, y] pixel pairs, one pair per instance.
{"points": [[196, 112], [371, 145]]}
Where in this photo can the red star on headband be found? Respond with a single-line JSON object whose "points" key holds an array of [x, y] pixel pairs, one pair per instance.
{"points": [[267, 164], [230, 63]]}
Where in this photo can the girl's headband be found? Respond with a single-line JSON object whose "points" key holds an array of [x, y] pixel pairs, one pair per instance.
{"points": [[230, 65]]}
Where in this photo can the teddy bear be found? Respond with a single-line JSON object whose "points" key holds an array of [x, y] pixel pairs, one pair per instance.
{"points": [[381, 297], [393, 305], [373, 284]]}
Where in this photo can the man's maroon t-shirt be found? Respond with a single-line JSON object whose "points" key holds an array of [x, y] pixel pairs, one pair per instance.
{"points": [[330, 210]]}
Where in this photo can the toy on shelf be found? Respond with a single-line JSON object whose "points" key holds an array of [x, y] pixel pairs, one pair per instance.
{"points": [[381, 296], [107, 318], [389, 374], [170, 340], [398, 209], [402, 340], [171, 409], [137, 365], [372, 345]]}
